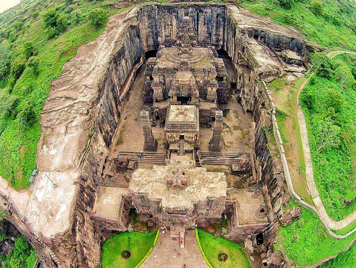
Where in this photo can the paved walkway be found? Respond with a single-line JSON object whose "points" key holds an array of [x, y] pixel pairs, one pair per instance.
{"points": [[163, 255], [332, 224]]}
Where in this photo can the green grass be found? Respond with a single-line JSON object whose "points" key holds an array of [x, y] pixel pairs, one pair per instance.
{"points": [[346, 259], [334, 168], [212, 246], [306, 242], [336, 27], [285, 98], [347, 229], [137, 243]]}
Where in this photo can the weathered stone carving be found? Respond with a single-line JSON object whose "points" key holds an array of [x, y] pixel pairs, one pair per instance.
{"points": [[150, 141]]}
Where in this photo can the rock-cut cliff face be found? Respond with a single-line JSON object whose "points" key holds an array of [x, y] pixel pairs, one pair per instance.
{"points": [[83, 112]]}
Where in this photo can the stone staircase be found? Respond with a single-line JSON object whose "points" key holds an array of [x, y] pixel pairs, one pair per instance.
{"points": [[153, 158], [217, 158]]}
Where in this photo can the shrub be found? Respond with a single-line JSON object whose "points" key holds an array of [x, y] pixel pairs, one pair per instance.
{"points": [[12, 37], [345, 76], [98, 17], [62, 22], [17, 68], [50, 18], [308, 98], [35, 14], [27, 117], [334, 100], [9, 105], [33, 64], [19, 255], [52, 33], [316, 7], [55, 22], [327, 135], [76, 17], [4, 60], [286, 3], [28, 49], [18, 25]]}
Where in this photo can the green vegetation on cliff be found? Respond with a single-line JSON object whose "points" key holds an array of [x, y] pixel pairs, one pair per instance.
{"points": [[327, 23], [344, 260], [328, 102], [36, 39], [22, 255], [306, 242]]}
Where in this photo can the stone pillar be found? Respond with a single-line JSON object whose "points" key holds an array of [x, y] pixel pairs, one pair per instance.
{"points": [[215, 143], [150, 141]]}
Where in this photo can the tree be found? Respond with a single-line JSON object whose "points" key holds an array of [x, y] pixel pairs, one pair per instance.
{"points": [[27, 117], [286, 3], [76, 17], [334, 100], [316, 7], [98, 17], [28, 49], [33, 64], [325, 67], [18, 25], [55, 22], [308, 98], [17, 258], [17, 68], [50, 18], [62, 22], [345, 76], [327, 135], [4, 60]]}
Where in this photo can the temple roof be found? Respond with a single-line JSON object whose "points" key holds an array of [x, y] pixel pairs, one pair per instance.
{"points": [[196, 184]]}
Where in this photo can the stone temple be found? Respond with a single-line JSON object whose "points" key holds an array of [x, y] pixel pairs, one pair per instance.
{"points": [[162, 119]]}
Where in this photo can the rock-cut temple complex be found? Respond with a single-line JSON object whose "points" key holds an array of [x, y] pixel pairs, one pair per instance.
{"points": [[166, 117]]}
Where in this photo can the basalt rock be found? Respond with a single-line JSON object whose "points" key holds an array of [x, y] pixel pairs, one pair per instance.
{"points": [[83, 111]]}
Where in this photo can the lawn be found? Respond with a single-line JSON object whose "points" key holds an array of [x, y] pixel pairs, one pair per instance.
{"points": [[213, 246], [346, 259], [138, 244]]}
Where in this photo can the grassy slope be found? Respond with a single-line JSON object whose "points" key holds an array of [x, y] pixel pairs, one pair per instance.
{"points": [[285, 95], [306, 242], [18, 146], [137, 243], [344, 260], [321, 29], [212, 246], [334, 169]]}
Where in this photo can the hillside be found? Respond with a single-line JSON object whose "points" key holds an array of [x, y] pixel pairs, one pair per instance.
{"points": [[36, 39]]}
